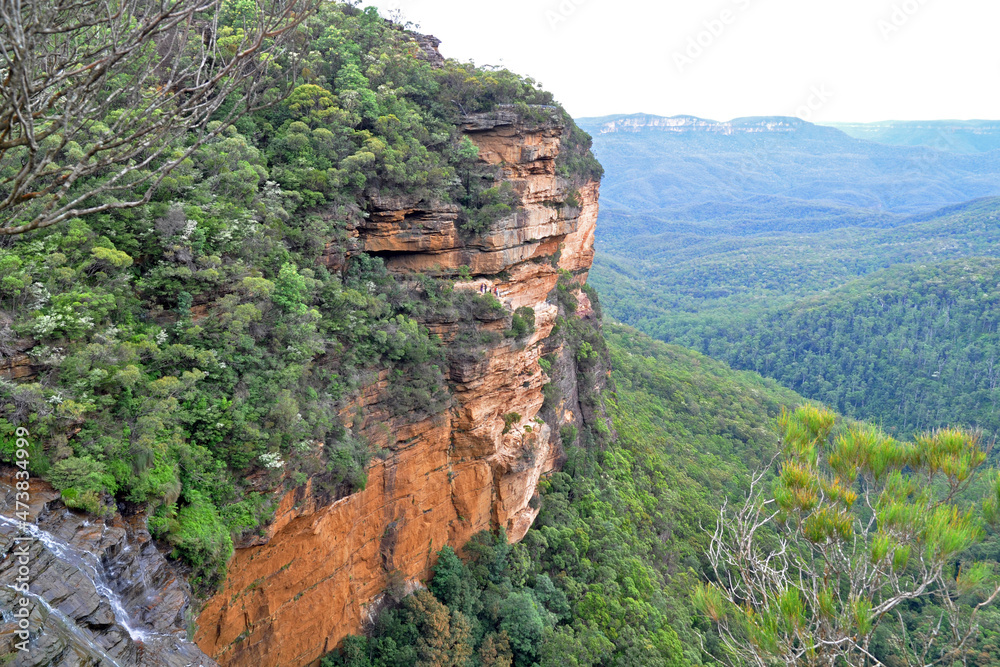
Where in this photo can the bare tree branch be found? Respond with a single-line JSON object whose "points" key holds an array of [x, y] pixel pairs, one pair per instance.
{"points": [[102, 99], [808, 577]]}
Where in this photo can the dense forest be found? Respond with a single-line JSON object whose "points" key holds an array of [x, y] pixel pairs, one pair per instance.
{"points": [[172, 341], [912, 347], [683, 274], [881, 324]]}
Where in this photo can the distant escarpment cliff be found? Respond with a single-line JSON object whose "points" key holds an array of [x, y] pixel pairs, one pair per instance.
{"points": [[692, 124]]}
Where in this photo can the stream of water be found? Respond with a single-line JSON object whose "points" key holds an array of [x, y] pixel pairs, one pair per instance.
{"points": [[89, 564], [83, 639]]}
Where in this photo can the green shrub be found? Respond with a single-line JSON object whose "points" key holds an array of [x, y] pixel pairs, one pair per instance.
{"points": [[112, 258], [522, 323], [202, 540], [487, 207], [568, 435], [573, 198], [82, 481], [551, 394], [509, 420]]}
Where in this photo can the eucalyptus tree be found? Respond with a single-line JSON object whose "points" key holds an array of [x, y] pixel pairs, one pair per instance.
{"points": [[101, 99]]}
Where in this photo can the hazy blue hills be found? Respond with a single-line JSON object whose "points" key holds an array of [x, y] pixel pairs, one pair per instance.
{"points": [[758, 175], [956, 136]]}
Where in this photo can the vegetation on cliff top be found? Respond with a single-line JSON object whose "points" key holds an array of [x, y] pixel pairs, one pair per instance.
{"points": [[194, 352]]}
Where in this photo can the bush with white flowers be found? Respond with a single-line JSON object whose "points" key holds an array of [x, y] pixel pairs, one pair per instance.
{"points": [[271, 460]]}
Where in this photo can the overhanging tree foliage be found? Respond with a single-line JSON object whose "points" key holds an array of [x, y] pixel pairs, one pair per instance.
{"points": [[102, 99], [860, 526], [221, 328]]}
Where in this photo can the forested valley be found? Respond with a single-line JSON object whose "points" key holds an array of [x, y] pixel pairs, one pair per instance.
{"points": [[330, 375], [891, 321]]}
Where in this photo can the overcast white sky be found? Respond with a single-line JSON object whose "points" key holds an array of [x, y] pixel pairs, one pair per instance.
{"points": [[853, 60]]}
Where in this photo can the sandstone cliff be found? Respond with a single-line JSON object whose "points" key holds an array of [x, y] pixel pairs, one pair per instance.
{"points": [[321, 570]]}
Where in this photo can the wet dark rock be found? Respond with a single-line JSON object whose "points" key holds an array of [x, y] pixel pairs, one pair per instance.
{"points": [[100, 591]]}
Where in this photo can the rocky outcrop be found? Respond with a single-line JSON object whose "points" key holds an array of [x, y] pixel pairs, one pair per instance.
{"points": [[321, 570], [691, 124], [17, 367], [100, 593], [15, 364]]}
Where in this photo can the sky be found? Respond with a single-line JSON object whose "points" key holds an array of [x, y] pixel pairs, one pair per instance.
{"points": [[821, 60]]}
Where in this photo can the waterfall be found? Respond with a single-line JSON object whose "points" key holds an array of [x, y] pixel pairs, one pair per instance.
{"points": [[84, 639], [89, 564]]}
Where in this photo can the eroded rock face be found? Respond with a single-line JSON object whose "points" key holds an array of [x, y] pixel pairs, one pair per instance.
{"points": [[15, 364], [322, 569], [100, 593]]}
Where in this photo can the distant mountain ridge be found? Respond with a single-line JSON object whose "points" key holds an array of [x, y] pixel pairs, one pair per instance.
{"points": [[953, 136], [680, 124], [772, 173]]}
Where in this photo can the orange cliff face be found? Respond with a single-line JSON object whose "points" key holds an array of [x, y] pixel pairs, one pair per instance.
{"points": [[320, 573]]}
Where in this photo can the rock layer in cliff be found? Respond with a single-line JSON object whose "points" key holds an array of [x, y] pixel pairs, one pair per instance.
{"points": [[323, 568]]}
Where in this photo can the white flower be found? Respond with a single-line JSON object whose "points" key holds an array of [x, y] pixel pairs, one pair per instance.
{"points": [[189, 228], [109, 335], [40, 296], [161, 337], [50, 356], [271, 460]]}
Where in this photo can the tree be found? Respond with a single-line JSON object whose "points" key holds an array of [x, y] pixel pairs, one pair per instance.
{"points": [[521, 620], [445, 640], [860, 529], [102, 99]]}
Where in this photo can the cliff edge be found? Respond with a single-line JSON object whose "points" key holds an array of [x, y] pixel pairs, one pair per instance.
{"points": [[322, 569]]}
